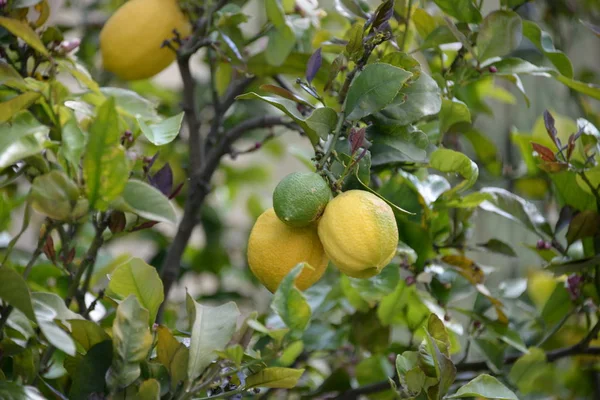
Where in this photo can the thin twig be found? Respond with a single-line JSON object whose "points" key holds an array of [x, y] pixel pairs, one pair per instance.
{"points": [[407, 22]]}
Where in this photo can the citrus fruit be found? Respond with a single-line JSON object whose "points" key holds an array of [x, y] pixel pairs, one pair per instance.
{"points": [[131, 39], [274, 248], [359, 233], [300, 198]]}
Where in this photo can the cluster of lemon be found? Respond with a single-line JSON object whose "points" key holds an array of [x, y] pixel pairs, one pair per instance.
{"points": [[356, 230]]}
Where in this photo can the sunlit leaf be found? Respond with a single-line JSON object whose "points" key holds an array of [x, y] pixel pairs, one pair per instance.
{"points": [[485, 386], [275, 377]]}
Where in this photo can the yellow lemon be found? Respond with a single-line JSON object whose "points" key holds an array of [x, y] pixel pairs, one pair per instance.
{"points": [[274, 248], [359, 233], [130, 41]]}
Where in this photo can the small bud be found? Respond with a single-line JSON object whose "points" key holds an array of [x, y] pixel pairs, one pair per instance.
{"points": [[492, 69], [155, 326], [117, 222], [410, 280], [447, 317], [574, 286], [257, 145], [476, 324], [543, 245], [392, 358], [256, 390], [67, 46]]}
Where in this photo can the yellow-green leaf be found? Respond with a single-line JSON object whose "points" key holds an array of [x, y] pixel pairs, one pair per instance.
{"points": [[24, 31], [277, 378]]}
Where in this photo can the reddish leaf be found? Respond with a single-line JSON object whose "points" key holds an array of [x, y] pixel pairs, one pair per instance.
{"points": [[313, 65], [356, 139], [384, 12], [163, 179], [117, 222], [48, 249], [545, 153], [550, 128]]}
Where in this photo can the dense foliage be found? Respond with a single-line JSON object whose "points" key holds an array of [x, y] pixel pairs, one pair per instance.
{"points": [[386, 95]]}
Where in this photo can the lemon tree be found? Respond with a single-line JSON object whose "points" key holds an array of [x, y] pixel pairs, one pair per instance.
{"points": [[439, 238]]}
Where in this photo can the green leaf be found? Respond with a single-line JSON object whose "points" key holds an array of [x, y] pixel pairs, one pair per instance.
{"points": [[373, 89], [14, 291], [415, 101], [485, 386], [73, 142], [543, 41], [289, 108], [149, 390], [275, 13], [281, 43], [402, 307], [15, 391], [212, 328], [462, 10], [91, 370], [289, 302], [163, 132], [396, 144], [48, 307], [515, 208], [374, 369], [131, 343], [499, 34], [322, 121], [105, 166], [486, 151], [498, 247], [354, 47], [55, 195], [588, 89], [493, 351], [10, 108], [140, 280], [453, 112], [528, 369], [173, 355], [234, 353], [146, 201], [514, 65], [436, 365], [557, 306], [275, 377], [584, 224], [450, 161], [289, 354], [23, 30], [24, 136], [130, 104], [87, 333]]}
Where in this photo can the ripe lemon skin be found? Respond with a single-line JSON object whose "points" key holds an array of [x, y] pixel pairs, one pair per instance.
{"points": [[131, 39], [359, 233], [274, 248], [300, 198]]}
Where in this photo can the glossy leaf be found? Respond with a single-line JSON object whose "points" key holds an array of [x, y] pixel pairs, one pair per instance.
{"points": [[322, 121], [23, 30], [282, 41], [87, 333], [212, 328], [462, 10], [289, 108], [516, 209], [163, 132], [130, 104], [275, 377], [15, 391], [48, 307], [9, 108], [397, 144], [91, 370], [149, 390], [453, 112], [24, 136], [543, 41], [55, 195], [584, 224], [131, 343], [289, 302], [105, 166], [499, 34], [420, 99], [140, 280], [172, 354], [14, 291], [485, 386], [73, 142], [372, 90], [588, 89], [146, 201], [450, 161]]}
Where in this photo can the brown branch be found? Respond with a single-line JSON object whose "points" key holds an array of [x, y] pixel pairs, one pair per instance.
{"points": [[89, 259]]}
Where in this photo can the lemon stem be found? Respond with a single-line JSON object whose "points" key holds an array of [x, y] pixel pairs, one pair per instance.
{"points": [[336, 136]]}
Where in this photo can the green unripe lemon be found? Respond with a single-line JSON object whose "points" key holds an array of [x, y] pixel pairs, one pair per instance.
{"points": [[300, 198]]}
